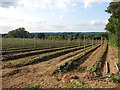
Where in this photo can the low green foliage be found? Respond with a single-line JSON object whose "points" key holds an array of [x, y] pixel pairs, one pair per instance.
{"points": [[74, 85], [9, 63], [72, 63], [115, 80], [33, 86], [118, 65], [94, 68], [117, 73], [56, 78], [39, 76], [83, 83], [97, 66], [47, 56], [9, 44], [82, 68], [24, 54]]}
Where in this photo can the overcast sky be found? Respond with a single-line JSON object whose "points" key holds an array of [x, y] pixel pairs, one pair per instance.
{"points": [[54, 15]]}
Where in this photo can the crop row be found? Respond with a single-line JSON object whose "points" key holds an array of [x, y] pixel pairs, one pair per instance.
{"points": [[33, 49], [24, 54], [48, 56], [72, 63], [17, 43], [98, 66], [40, 47]]}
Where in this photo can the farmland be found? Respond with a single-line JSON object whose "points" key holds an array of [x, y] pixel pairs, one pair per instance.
{"points": [[37, 63]]}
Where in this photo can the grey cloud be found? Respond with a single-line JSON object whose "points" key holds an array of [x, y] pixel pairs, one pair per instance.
{"points": [[9, 3]]}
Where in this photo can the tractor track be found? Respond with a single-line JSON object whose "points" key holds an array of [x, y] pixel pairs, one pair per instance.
{"points": [[111, 61]]}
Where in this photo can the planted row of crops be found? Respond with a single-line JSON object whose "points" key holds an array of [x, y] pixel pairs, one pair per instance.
{"points": [[20, 44], [72, 63], [33, 49], [98, 66], [46, 56], [24, 54]]}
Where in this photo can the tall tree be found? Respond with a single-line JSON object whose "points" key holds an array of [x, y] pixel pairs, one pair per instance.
{"points": [[40, 35], [19, 33], [113, 26]]}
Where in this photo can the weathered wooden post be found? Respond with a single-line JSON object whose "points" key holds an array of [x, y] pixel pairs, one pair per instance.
{"points": [[101, 40], [95, 41], [92, 41], [84, 42]]}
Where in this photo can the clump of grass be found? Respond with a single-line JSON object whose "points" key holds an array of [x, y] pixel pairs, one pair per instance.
{"points": [[74, 85], [83, 83], [118, 65], [82, 68], [117, 73], [33, 86], [56, 78], [39, 76], [115, 80], [93, 68], [9, 63], [118, 54]]}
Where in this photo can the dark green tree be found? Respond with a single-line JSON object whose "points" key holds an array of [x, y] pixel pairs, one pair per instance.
{"points": [[19, 33], [113, 26], [40, 35]]}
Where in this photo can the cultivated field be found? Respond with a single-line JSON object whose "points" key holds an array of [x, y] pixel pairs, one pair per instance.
{"points": [[35, 63]]}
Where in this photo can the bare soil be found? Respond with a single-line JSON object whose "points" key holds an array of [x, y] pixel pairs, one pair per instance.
{"points": [[41, 74], [112, 60]]}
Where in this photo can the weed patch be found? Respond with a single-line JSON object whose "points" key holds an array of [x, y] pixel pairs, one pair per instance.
{"points": [[33, 86], [82, 69], [115, 80]]}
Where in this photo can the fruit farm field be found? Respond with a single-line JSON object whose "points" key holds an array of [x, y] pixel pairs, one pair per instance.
{"points": [[35, 63]]}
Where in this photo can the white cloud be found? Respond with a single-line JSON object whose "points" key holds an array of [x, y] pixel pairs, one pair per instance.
{"points": [[92, 26], [89, 3], [14, 15], [97, 22], [52, 14], [63, 17], [106, 21], [11, 18], [38, 26], [39, 4]]}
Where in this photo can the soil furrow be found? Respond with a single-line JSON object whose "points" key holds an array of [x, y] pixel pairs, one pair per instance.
{"points": [[111, 60], [39, 68]]}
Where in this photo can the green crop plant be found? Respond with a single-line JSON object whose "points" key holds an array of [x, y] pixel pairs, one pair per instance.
{"points": [[33, 86], [115, 80], [82, 82], [118, 65], [24, 54], [82, 68], [72, 63], [19, 43]]}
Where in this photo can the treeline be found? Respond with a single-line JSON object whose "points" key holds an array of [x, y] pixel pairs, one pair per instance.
{"points": [[22, 33], [113, 27]]}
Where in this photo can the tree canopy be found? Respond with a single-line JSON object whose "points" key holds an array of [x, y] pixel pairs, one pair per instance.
{"points": [[19, 33], [40, 35], [113, 26]]}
